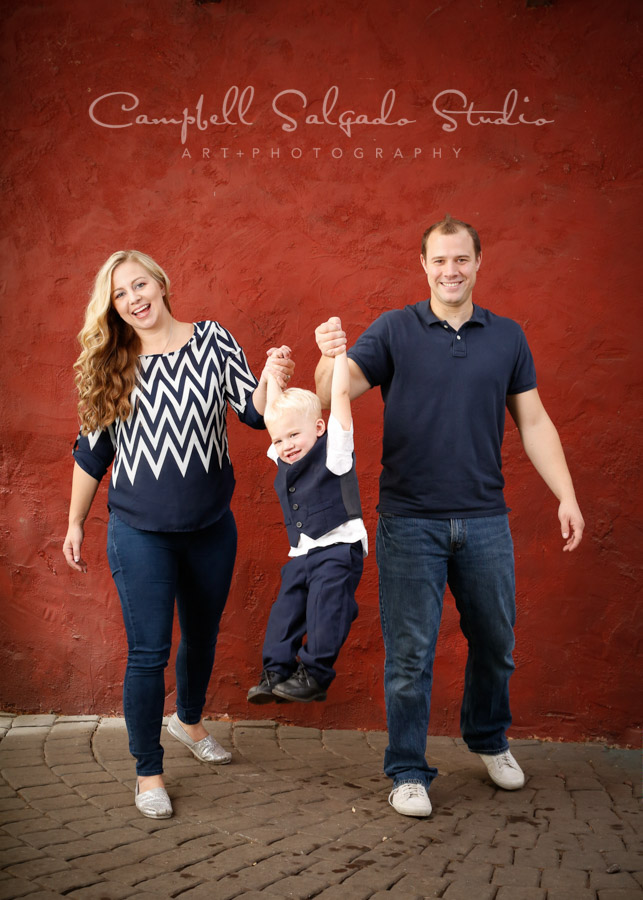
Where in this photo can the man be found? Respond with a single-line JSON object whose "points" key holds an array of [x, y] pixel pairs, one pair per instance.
{"points": [[447, 369]]}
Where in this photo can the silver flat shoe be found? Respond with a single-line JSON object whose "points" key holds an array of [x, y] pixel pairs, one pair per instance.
{"points": [[155, 803], [207, 749]]}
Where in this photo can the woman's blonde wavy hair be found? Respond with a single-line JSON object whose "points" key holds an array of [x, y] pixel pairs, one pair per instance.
{"points": [[107, 365]]}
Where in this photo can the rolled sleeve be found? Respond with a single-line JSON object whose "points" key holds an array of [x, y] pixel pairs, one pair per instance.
{"points": [[250, 416], [339, 449], [95, 452], [240, 385]]}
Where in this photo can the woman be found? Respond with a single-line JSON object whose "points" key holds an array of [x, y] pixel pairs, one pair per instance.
{"points": [[153, 398]]}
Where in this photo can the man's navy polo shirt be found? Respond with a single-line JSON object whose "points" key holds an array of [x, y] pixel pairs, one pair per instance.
{"points": [[444, 398]]}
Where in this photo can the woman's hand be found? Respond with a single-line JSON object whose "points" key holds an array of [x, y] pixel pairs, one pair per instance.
{"points": [[72, 548], [83, 491], [280, 365]]}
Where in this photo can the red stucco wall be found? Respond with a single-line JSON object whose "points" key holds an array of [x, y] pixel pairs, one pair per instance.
{"points": [[274, 231]]}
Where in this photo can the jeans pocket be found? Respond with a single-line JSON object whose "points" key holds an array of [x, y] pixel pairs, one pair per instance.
{"points": [[391, 536]]}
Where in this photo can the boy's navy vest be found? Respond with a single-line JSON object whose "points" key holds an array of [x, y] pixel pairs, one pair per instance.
{"points": [[313, 499]]}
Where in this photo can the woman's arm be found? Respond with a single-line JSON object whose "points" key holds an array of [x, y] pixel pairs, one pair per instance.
{"points": [[83, 491]]}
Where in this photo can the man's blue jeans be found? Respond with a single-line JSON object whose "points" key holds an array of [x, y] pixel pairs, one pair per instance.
{"points": [[417, 558], [151, 569]]}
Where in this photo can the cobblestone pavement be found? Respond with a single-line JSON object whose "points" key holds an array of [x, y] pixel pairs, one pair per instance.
{"points": [[304, 813]]}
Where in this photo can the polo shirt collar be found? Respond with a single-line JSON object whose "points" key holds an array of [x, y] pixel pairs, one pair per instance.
{"points": [[477, 318]]}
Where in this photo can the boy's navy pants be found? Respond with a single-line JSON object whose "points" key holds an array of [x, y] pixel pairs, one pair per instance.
{"points": [[316, 599]]}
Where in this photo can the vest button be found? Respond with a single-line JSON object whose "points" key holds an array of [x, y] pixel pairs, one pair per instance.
{"points": [[300, 525], [295, 506], [291, 490]]}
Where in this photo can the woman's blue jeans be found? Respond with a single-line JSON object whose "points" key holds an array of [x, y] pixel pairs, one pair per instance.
{"points": [[151, 569], [417, 558]]}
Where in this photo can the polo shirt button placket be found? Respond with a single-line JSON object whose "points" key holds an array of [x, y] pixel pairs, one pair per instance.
{"points": [[459, 346]]}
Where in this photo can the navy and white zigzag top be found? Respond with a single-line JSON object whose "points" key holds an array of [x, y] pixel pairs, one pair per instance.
{"points": [[171, 468]]}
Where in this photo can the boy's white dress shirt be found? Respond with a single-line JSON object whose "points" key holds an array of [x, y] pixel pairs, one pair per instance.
{"points": [[339, 460]]}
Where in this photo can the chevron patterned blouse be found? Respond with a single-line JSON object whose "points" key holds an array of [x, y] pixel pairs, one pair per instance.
{"points": [[171, 468]]}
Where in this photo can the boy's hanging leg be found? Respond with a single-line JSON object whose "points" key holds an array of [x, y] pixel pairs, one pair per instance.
{"points": [[333, 574], [287, 621]]}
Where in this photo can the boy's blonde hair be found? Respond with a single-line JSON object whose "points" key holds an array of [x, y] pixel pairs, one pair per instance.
{"points": [[304, 402]]}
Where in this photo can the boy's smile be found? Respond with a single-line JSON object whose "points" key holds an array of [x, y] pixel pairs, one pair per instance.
{"points": [[293, 435]]}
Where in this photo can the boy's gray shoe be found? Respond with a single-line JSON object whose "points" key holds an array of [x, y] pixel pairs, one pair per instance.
{"points": [[301, 687], [262, 692]]}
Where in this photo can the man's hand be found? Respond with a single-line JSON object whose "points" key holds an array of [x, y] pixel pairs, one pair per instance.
{"points": [[330, 338], [571, 523]]}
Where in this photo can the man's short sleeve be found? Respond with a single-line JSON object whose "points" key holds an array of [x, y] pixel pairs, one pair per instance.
{"points": [[523, 377], [372, 353]]}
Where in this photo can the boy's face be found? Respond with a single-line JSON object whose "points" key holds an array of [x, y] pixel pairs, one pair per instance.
{"points": [[293, 434]]}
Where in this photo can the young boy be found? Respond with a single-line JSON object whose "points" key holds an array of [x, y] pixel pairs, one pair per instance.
{"points": [[317, 487]]}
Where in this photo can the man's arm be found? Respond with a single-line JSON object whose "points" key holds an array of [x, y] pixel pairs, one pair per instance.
{"points": [[331, 340], [542, 445]]}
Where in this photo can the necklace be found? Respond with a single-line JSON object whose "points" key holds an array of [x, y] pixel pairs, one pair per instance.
{"points": [[169, 337]]}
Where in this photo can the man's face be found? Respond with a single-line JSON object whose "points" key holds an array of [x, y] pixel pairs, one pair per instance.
{"points": [[294, 434], [451, 267]]}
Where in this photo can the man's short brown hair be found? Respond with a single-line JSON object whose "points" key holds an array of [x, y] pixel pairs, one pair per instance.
{"points": [[452, 226]]}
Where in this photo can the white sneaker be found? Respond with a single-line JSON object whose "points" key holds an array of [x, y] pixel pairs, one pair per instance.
{"points": [[504, 770], [410, 799]]}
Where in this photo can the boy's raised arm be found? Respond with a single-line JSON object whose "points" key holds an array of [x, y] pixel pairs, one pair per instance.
{"points": [[273, 390], [332, 340], [340, 399]]}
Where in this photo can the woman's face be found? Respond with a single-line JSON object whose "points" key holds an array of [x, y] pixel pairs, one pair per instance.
{"points": [[138, 297]]}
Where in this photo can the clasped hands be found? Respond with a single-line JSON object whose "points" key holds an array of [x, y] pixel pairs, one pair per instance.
{"points": [[280, 365], [331, 338]]}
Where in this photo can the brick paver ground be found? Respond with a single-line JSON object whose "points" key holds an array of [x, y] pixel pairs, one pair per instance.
{"points": [[304, 813]]}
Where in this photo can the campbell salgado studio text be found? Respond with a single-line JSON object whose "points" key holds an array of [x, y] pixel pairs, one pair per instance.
{"points": [[293, 109]]}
